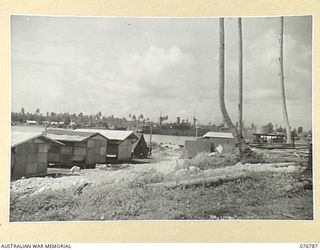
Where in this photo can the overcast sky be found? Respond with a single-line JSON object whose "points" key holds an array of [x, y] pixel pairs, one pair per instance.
{"points": [[147, 65]]}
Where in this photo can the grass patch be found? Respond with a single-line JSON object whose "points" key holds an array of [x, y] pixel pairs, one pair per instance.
{"points": [[260, 197], [51, 206]]}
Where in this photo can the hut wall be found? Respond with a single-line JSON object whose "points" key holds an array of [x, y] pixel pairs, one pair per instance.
{"points": [[124, 150], [79, 154], [195, 147], [30, 158], [112, 150], [228, 144], [113, 147], [72, 153], [97, 150]]}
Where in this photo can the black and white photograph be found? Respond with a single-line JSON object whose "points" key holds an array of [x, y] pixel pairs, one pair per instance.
{"points": [[161, 118]]}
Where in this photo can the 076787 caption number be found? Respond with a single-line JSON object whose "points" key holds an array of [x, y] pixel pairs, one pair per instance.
{"points": [[308, 245]]}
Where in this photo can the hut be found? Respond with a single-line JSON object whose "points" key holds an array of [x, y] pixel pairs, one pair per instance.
{"points": [[139, 147], [29, 154], [119, 143], [83, 149], [226, 140]]}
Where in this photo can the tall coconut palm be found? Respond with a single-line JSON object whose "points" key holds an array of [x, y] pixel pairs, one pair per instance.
{"points": [[222, 80], [283, 94], [240, 78]]}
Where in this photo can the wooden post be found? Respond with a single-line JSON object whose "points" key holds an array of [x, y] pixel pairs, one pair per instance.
{"points": [[150, 141], [45, 129], [292, 136]]}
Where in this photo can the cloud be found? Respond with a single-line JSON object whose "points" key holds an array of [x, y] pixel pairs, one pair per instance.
{"points": [[159, 72], [90, 64]]}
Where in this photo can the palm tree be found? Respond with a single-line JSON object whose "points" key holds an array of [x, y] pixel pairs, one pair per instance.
{"points": [[283, 94], [221, 81], [240, 78]]}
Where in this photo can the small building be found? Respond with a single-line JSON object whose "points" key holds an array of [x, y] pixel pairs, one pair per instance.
{"points": [[29, 154], [31, 122], [139, 147], [226, 140], [269, 138], [83, 149], [119, 143], [61, 125]]}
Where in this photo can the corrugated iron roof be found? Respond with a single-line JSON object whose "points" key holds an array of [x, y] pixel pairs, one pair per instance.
{"points": [[69, 138], [118, 135], [69, 135], [218, 135], [18, 138]]}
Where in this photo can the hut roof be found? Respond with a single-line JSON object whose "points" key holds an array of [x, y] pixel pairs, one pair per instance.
{"points": [[118, 135], [70, 135], [18, 138], [218, 135]]}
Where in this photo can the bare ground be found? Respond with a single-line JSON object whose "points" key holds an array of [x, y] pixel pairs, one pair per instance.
{"points": [[138, 191]]}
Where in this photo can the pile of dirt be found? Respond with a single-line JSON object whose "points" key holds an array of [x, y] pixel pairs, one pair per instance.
{"points": [[146, 176], [283, 155], [196, 176], [204, 161], [163, 151]]}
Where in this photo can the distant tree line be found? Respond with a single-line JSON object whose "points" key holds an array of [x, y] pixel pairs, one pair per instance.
{"points": [[133, 122], [79, 120]]}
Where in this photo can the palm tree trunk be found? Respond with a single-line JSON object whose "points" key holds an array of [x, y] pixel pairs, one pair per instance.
{"points": [[240, 78], [222, 80], [283, 94]]}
